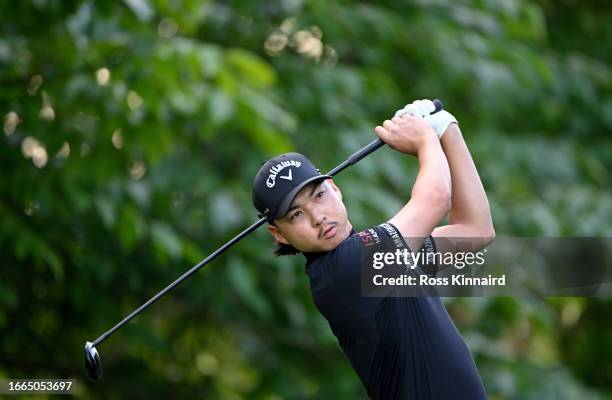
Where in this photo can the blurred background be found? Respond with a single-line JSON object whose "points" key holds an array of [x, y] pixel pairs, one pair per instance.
{"points": [[131, 132]]}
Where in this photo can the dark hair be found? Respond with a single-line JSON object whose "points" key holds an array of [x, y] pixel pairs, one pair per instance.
{"points": [[285, 250]]}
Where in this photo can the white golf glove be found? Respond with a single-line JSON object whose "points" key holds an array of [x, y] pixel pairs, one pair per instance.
{"points": [[423, 109]]}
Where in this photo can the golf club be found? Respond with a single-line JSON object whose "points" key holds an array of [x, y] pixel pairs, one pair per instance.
{"points": [[93, 364]]}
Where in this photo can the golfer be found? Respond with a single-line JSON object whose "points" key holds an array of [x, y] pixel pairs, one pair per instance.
{"points": [[401, 347]]}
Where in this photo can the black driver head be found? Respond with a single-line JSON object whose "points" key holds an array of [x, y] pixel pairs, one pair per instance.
{"points": [[93, 365]]}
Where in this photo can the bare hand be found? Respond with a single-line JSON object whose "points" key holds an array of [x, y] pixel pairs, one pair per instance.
{"points": [[406, 133]]}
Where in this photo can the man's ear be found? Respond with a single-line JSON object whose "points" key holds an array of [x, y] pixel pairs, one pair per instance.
{"points": [[278, 236]]}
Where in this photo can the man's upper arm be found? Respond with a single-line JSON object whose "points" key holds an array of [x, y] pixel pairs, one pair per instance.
{"points": [[418, 218], [459, 237]]}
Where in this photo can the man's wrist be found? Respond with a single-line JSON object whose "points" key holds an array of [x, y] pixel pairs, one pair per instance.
{"points": [[451, 135], [430, 139]]}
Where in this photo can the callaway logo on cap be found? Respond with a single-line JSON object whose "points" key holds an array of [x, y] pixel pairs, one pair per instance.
{"points": [[278, 168], [279, 180]]}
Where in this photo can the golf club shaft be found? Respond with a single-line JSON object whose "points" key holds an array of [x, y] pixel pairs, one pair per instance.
{"points": [[179, 280], [373, 146], [353, 159]]}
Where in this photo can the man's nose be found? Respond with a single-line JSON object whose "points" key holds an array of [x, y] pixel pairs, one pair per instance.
{"points": [[318, 221], [318, 216]]}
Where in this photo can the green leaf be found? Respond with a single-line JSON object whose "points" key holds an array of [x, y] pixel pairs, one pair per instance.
{"points": [[250, 68], [166, 239], [242, 280]]}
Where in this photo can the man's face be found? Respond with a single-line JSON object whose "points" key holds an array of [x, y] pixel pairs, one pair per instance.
{"points": [[316, 220]]}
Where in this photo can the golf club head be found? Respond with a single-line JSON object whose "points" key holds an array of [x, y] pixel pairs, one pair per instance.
{"points": [[93, 365]]}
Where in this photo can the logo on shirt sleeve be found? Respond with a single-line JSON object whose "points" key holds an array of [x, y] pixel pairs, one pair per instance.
{"points": [[395, 236], [369, 237]]}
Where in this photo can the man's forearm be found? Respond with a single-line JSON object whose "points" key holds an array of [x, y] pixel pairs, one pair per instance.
{"points": [[469, 203], [434, 176]]}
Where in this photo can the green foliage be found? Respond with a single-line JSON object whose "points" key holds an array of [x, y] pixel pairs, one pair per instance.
{"points": [[131, 133]]}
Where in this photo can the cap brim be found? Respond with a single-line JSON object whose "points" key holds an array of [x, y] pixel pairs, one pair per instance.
{"points": [[283, 208]]}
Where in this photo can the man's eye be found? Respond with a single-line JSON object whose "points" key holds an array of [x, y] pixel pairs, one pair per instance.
{"points": [[320, 194], [294, 215]]}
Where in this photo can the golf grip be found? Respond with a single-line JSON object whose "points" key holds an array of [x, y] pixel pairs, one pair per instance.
{"points": [[374, 145]]}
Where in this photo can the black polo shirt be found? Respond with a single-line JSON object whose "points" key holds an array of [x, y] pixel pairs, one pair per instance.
{"points": [[401, 347]]}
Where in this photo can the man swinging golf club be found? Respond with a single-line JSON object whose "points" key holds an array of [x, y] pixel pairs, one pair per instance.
{"points": [[401, 347]]}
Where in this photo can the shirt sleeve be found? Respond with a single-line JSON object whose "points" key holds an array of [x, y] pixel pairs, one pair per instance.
{"points": [[392, 240], [429, 249]]}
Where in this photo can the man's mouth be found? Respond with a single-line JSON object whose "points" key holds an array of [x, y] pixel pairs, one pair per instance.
{"points": [[330, 232]]}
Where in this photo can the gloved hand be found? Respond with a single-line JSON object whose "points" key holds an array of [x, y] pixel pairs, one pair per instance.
{"points": [[418, 108], [422, 109]]}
